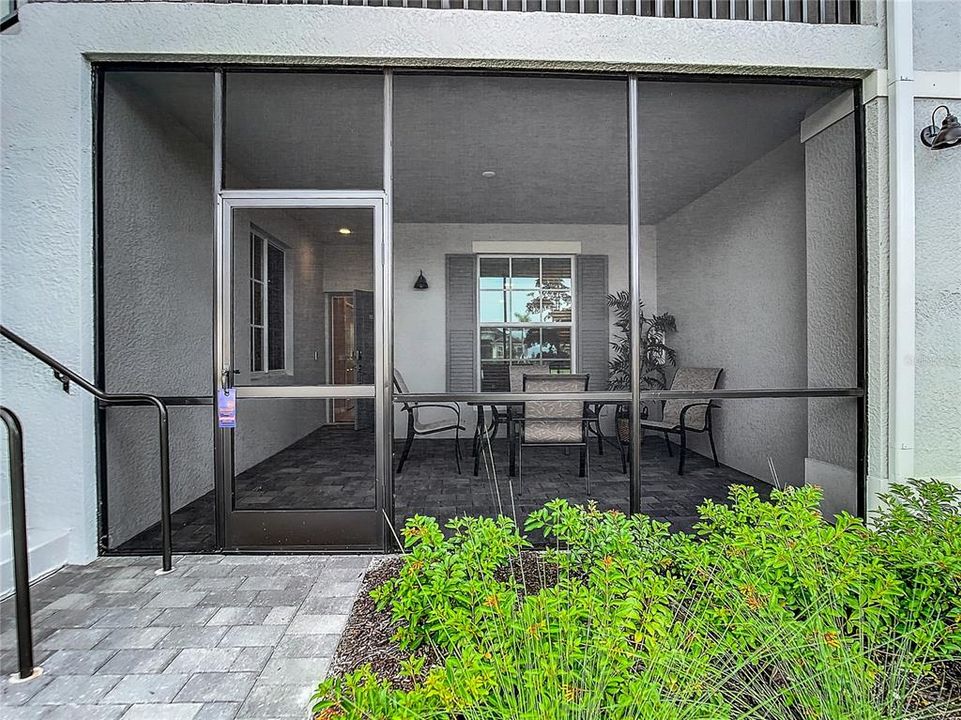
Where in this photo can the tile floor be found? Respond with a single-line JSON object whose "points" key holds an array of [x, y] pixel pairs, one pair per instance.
{"points": [[221, 638], [332, 467]]}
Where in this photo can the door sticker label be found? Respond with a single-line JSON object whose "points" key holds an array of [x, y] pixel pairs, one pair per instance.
{"points": [[227, 408]]}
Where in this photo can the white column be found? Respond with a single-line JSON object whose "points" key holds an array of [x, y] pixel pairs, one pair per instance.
{"points": [[901, 140]]}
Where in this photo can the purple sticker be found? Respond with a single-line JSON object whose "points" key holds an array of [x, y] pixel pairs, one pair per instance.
{"points": [[227, 408]]}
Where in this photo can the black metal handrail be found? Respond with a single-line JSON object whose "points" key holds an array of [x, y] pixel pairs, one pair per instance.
{"points": [[609, 396], [18, 528], [65, 375]]}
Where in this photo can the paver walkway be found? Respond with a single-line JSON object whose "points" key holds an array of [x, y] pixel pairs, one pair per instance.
{"points": [[221, 638]]}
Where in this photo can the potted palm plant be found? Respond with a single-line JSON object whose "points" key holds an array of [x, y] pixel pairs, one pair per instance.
{"points": [[656, 355]]}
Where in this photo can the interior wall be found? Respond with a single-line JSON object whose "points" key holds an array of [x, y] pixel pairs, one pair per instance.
{"points": [[731, 268], [158, 270], [832, 288], [264, 427], [419, 315]]}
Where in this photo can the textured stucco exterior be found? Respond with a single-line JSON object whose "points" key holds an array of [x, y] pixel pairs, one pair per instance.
{"points": [[938, 306], [730, 268], [47, 185], [937, 35]]}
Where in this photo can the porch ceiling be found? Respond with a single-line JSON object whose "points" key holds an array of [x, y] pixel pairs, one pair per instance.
{"points": [[558, 146]]}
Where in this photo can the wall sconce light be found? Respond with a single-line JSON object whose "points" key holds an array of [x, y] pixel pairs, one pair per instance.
{"points": [[421, 282], [948, 135]]}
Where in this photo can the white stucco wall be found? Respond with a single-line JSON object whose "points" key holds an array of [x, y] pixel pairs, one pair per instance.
{"points": [[158, 225], [47, 223], [937, 35], [938, 305], [419, 316], [731, 269]]}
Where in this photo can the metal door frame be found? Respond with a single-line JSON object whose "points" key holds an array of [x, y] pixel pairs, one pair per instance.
{"points": [[285, 529]]}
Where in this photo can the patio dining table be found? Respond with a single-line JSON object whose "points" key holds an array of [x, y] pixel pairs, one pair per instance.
{"points": [[498, 416]]}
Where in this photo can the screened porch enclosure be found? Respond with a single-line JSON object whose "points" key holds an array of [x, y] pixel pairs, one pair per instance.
{"points": [[458, 339]]}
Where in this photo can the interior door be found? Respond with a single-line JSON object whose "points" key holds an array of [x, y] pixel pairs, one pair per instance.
{"points": [[292, 477], [364, 352]]}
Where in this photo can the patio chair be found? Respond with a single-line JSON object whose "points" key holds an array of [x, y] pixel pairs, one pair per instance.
{"points": [[680, 417], [515, 411], [416, 427], [555, 423]]}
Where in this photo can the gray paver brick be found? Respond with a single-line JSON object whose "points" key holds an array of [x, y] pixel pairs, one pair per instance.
{"points": [[217, 687], [280, 615], [218, 711], [296, 646], [127, 618], [14, 694], [86, 712], [323, 605], [177, 599], [79, 689], [76, 662], [129, 662], [73, 639], [134, 689], [193, 637], [228, 598], [252, 636], [275, 701], [72, 601], [251, 659], [221, 638], [133, 638], [59, 619], [300, 671], [180, 617], [317, 624], [194, 660], [27, 712], [176, 711], [239, 616]]}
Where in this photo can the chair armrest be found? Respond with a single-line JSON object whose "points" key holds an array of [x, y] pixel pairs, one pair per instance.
{"points": [[683, 419], [454, 407]]}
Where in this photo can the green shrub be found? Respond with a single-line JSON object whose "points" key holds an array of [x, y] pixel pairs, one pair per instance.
{"points": [[766, 611], [919, 538]]}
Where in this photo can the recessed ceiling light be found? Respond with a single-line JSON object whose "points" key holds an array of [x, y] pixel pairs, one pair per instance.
{"points": [[344, 231], [488, 174]]}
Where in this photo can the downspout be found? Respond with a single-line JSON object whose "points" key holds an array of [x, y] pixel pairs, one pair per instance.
{"points": [[901, 314]]}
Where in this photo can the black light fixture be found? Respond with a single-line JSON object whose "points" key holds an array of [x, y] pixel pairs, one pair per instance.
{"points": [[947, 136], [421, 282]]}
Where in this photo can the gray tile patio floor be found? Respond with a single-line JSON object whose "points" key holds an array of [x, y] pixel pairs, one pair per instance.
{"points": [[221, 638]]}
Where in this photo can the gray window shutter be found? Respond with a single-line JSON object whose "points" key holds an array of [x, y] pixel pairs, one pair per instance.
{"points": [[593, 322], [461, 323]]}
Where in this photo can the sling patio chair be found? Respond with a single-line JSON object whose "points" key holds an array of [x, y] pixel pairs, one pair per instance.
{"points": [[680, 417], [417, 427], [554, 423]]}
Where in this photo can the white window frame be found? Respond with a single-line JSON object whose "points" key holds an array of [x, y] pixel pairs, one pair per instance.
{"points": [[268, 241], [481, 325]]}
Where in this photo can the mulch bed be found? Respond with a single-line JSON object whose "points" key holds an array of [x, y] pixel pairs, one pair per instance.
{"points": [[367, 637]]}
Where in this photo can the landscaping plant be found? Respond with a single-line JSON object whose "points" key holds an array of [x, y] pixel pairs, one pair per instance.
{"points": [[765, 611]]}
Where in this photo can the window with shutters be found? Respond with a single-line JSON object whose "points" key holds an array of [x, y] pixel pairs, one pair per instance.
{"points": [[525, 315], [268, 304]]}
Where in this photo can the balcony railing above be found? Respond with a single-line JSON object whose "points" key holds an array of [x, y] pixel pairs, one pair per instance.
{"points": [[843, 12], [817, 12]]}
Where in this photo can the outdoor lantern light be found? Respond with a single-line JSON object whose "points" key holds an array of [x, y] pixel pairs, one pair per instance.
{"points": [[948, 136], [421, 282]]}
